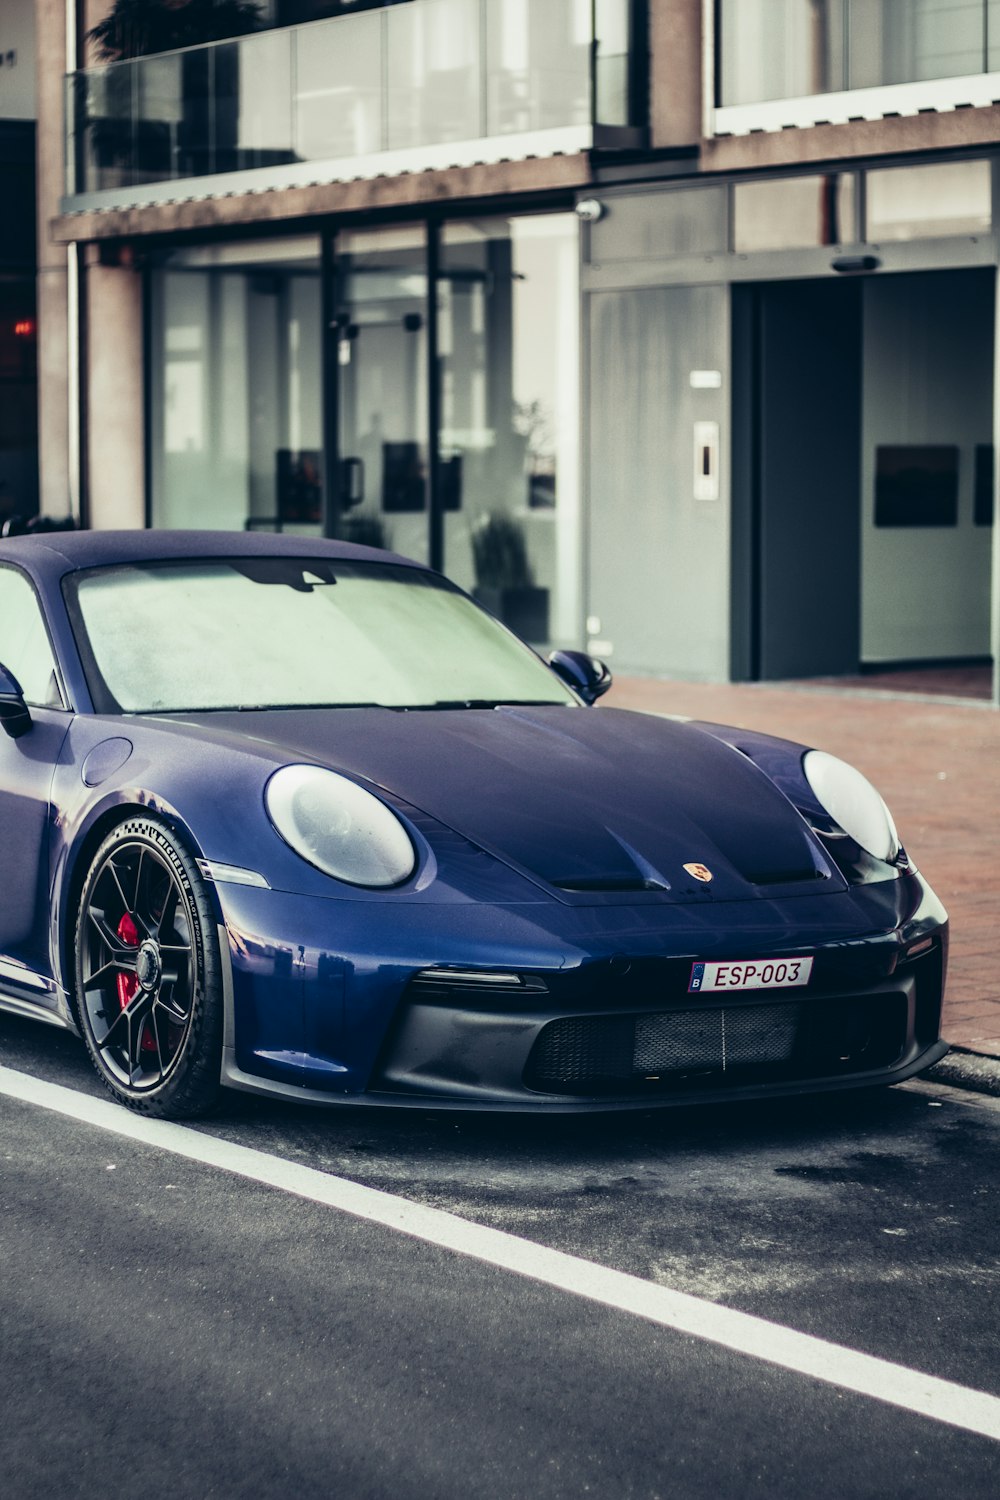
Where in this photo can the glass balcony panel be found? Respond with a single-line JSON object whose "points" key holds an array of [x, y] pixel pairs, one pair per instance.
{"points": [[612, 62], [537, 65], [338, 88], [781, 49], [105, 128], [406, 75], [433, 73], [906, 41], [196, 133], [787, 49], [253, 102], [159, 116]]}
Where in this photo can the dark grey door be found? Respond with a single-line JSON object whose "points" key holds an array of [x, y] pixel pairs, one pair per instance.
{"points": [[796, 479]]}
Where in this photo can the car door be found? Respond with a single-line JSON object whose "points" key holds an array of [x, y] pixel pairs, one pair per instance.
{"points": [[26, 769]]}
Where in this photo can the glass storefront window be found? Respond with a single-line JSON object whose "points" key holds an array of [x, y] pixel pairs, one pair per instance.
{"points": [[236, 434], [238, 386], [381, 317], [908, 203], [509, 358], [794, 212]]}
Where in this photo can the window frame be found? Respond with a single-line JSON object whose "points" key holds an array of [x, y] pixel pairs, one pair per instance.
{"points": [[6, 565]]}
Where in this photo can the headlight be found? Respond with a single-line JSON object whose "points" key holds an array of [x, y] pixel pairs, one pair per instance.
{"points": [[339, 827], [853, 803]]}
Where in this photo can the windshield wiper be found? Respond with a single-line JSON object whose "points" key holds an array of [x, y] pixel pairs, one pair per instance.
{"points": [[447, 703], [256, 708]]}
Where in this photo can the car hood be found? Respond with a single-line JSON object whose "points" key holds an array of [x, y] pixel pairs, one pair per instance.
{"points": [[587, 800]]}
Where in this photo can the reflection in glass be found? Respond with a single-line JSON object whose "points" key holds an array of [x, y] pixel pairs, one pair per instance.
{"points": [[509, 350], [253, 104], [104, 138], [781, 49], [894, 43], [792, 212], [538, 64], [381, 317], [338, 99], [433, 72], [159, 116], [788, 49], [905, 203], [236, 431]]}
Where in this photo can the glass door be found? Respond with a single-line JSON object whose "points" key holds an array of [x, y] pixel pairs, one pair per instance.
{"points": [[381, 362], [508, 465]]}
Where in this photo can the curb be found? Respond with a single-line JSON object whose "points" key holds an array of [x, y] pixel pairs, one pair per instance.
{"points": [[964, 1069]]}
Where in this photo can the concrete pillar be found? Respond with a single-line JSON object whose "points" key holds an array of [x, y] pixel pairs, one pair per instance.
{"points": [[113, 368], [675, 72], [90, 367], [114, 405], [57, 486]]}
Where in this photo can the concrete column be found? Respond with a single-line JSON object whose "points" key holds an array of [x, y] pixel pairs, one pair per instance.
{"points": [[56, 482], [115, 404], [114, 401], [675, 69]]}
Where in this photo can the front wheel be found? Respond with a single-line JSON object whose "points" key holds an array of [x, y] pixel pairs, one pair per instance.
{"points": [[148, 977]]}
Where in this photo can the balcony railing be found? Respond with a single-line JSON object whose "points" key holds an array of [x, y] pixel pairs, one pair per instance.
{"points": [[417, 77]]}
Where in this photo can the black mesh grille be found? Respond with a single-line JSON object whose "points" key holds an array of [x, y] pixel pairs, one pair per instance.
{"points": [[715, 1038], [588, 1054]]}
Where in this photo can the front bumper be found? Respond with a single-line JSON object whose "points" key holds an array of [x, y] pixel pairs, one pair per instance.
{"points": [[406, 1008]]}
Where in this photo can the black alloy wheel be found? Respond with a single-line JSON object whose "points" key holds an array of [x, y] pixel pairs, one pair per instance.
{"points": [[148, 985]]}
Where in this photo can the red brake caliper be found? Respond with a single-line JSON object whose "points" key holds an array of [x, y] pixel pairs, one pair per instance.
{"points": [[128, 984]]}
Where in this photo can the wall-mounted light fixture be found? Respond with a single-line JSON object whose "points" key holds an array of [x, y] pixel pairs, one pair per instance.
{"points": [[590, 210], [847, 264]]}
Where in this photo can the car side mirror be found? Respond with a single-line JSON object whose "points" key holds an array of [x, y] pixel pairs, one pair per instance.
{"points": [[14, 715], [584, 674]]}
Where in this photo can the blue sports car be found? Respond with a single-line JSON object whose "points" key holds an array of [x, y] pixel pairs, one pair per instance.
{"points": [[300, 818]]}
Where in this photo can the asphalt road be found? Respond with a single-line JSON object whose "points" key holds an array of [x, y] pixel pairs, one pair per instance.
{"points": [[168, 1328]]}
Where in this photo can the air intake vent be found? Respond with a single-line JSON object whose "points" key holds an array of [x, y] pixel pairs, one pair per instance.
{"points": [[674, 1049]]}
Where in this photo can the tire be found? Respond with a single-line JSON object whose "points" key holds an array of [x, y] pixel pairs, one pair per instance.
{"points": [[148, 974]]}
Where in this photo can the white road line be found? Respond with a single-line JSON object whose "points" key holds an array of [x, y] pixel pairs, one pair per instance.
{"points": [[942, 1401]]}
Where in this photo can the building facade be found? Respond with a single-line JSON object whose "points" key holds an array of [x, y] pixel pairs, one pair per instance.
{"points": [[18, 316], [669, 326]]}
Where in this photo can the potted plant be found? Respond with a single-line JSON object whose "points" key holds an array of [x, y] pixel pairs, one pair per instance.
{"points": [[504, 582]]}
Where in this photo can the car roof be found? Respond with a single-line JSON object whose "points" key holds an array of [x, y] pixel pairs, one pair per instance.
{"points": [[66, 551]]}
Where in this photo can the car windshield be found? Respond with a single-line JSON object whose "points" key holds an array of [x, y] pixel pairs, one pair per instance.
{"points": [[278, 632]]}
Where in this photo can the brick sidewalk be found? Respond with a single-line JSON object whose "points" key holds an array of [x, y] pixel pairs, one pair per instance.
{"points": [[938, 767]]}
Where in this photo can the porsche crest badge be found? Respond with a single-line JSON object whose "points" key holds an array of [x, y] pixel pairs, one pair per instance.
{"points": [[700, 872]]}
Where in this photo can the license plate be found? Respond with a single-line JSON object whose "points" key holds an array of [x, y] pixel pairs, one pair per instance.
{"points": [[751, 974]]}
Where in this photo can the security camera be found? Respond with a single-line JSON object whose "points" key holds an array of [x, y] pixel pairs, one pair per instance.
{"points": [[590, 210]]}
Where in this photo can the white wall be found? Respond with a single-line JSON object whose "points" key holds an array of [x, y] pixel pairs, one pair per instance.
{"points": [[928, 379], [17, 60]]}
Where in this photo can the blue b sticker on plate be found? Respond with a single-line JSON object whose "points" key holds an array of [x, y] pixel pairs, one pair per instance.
{"points": [[697, 975]]}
